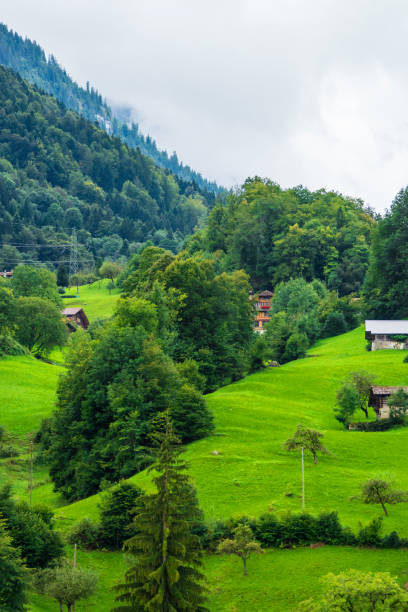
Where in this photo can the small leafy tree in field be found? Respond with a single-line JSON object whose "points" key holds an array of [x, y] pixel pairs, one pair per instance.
{"points": [[243, 545], [110, 269], [39, 325], [309, 439], [376, 491], [347, 403], [66, 584], [355, 591]]}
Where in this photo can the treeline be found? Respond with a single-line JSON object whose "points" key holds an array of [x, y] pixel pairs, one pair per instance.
{"points": [[28, 59], [277, 234], [59, 171]]}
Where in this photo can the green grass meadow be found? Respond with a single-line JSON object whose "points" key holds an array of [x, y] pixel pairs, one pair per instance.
{"points": [[95, 299], [252, 473]]}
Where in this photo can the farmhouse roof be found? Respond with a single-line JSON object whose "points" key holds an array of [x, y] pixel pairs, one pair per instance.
{"points": [[387, 327], [266, 294], [71, 311], [386, 390]]}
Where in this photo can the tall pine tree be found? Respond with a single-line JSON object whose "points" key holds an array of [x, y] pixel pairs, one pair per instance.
{"points": [[165, 576]]}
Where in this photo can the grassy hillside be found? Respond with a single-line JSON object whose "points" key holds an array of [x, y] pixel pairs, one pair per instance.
{"points": [[252, 473], [95, 299]]}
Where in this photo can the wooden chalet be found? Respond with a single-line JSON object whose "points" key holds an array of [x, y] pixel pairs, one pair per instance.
{"points": [[75, 318], [379, 397], [7, 274], [387, 334], [262, 307]]}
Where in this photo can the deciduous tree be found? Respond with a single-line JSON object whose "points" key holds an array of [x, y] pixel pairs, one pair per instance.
{"points": [[377, 491], [243, 544], [309, 439]]}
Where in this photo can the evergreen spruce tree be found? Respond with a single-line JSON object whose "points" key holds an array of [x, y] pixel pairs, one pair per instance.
{"points": [[165, 576]]}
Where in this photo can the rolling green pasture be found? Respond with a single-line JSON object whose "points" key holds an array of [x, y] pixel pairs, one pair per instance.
{"points": [[252, 473], [95, 299]]}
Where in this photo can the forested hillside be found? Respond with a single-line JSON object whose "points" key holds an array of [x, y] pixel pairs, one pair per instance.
{"points": [[29, 60], [276, 234], [59, 171]]}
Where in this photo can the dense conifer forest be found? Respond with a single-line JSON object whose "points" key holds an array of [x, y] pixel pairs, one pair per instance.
{"points": [[29, 60], [59, 171]]}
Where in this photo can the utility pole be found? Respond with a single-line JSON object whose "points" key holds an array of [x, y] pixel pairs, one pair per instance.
{"points": [[303, 483], [31, 473], [74, 566], [73, 257]]}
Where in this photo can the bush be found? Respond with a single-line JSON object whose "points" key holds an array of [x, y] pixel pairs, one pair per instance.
{"points": [[379, 424], [10, 346], [298, 529], [335, 324], [329, 529], [190, 416], [85, 534], [370, 535], [268, 530], [116, 514], [296, 346]]}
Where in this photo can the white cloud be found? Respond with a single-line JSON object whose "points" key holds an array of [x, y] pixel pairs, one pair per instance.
{"points": [[303, 92]]}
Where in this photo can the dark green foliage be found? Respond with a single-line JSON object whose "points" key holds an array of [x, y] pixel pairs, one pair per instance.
{"points": [[29, 60], [370, 535], [276, 234], [335, 324], [378, 424], [116, 514], [258, 353], [31, 530], [86, 534], [113, 389], [29, 281], [302, 312], [59, 171], [202, 315], [167, 556], [13, 577], [190, 415], [62, 276], [385, 288], [295, 347], [39, 325]]}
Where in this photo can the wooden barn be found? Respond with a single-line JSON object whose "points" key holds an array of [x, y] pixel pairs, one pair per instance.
{"points": [[75, 318], [387, 334], [378, 399]]}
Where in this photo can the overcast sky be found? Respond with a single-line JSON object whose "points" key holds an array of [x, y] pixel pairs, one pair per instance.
{"points": [[302, 91]]}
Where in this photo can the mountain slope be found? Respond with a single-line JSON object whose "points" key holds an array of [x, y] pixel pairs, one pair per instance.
{"points": [[29, 60], [59, 171]]}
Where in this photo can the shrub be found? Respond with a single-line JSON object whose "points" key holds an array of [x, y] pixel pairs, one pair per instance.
{"points": [[268, 530], [370, 534], [298, 529], [329, 529], [335, 324], [85, 534], [116, 514], [296, 346]]}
